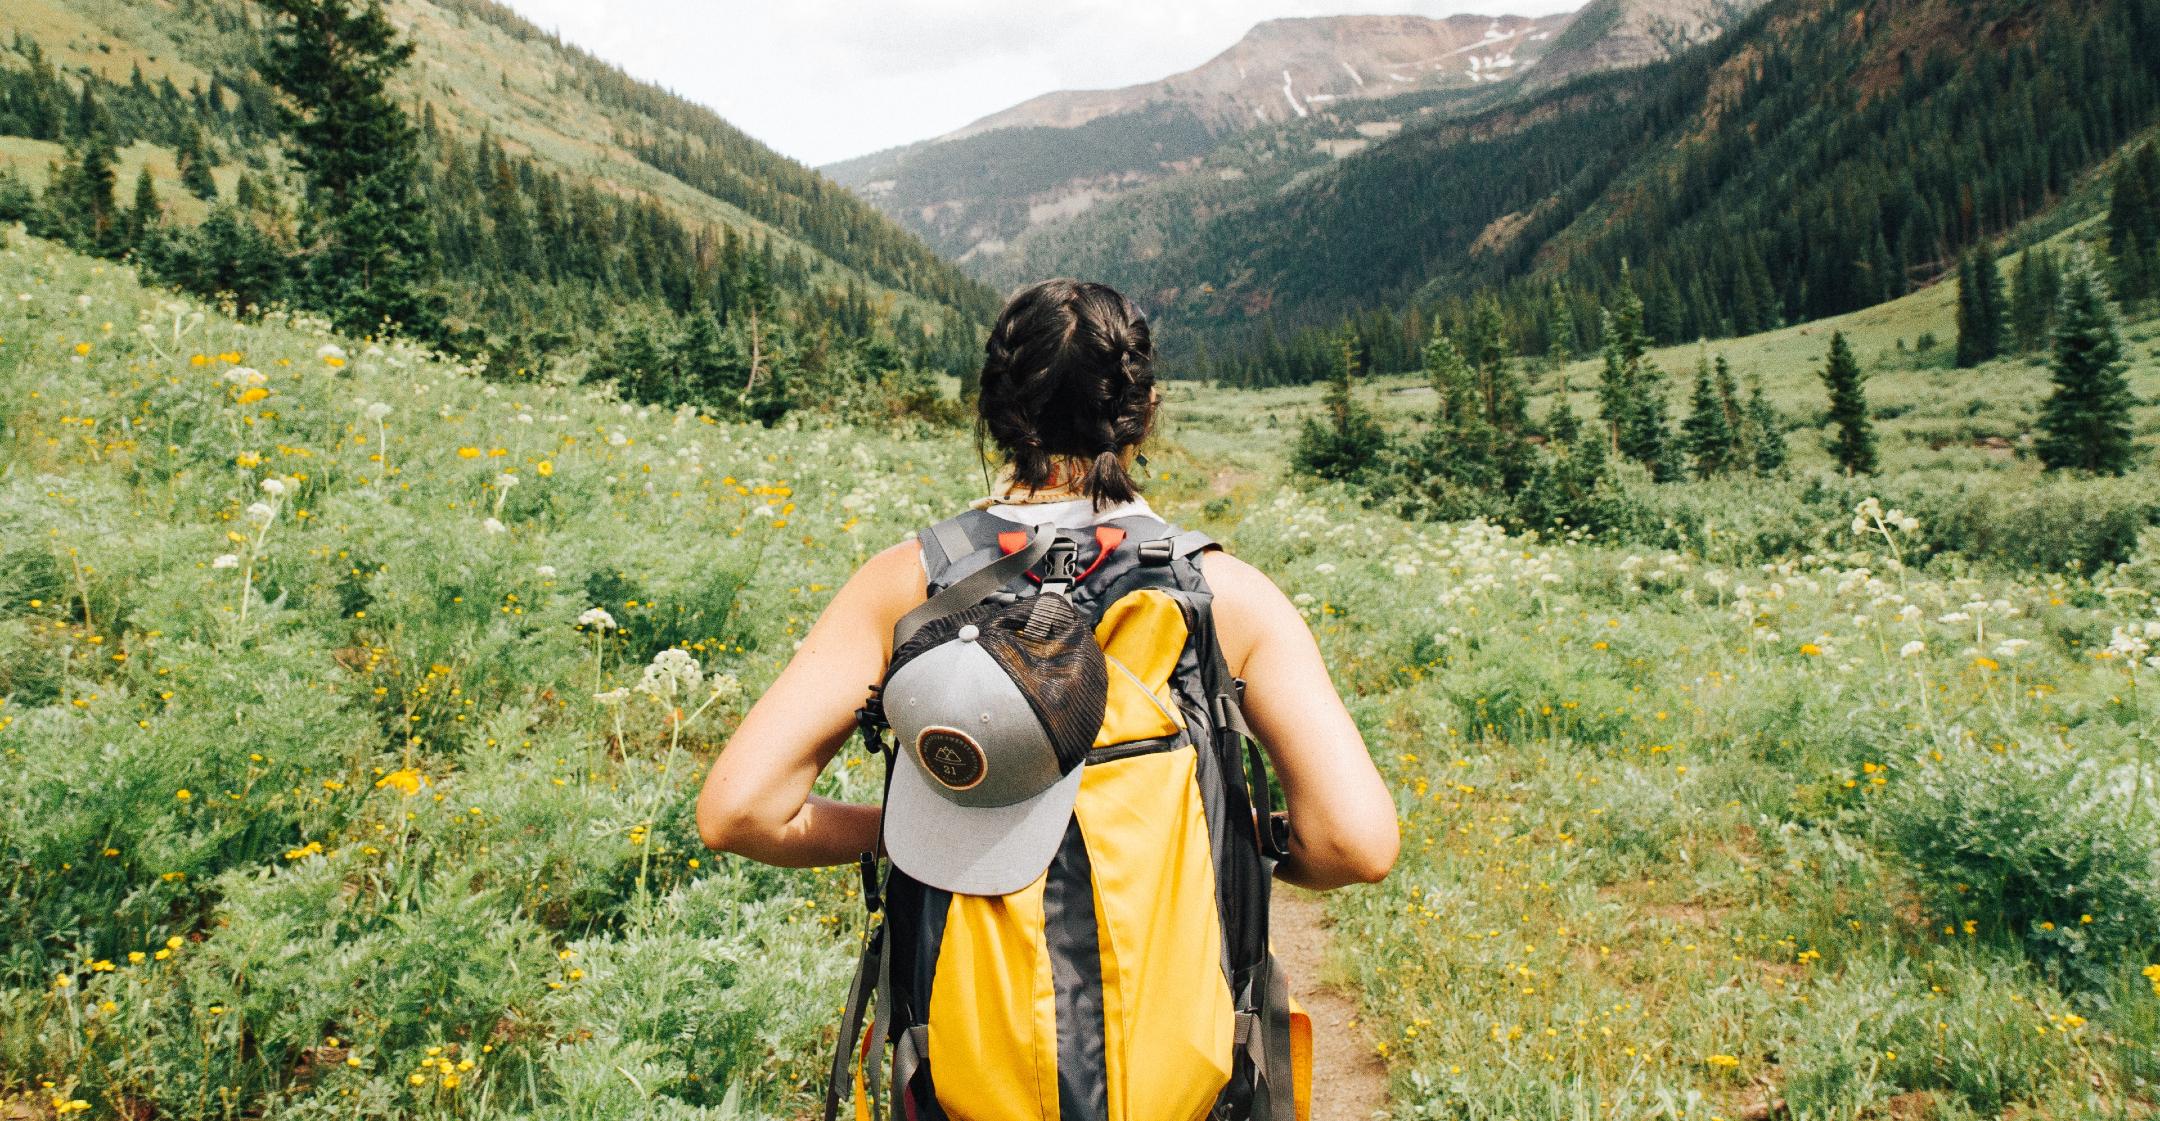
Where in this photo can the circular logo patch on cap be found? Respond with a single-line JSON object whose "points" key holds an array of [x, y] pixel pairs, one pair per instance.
{"points": [[952, 757]]}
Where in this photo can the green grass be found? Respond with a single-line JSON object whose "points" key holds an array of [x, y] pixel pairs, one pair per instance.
{"points": [[1682, 838]]}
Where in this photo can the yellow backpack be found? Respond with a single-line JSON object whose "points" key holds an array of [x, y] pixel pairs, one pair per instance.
{"points": [[1132, 980]]}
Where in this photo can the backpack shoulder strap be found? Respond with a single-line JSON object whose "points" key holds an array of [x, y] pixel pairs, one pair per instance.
{"points": [[975, 587], [952, 541]]}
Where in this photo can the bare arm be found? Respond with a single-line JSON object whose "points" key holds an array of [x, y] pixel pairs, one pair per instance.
{"points": [[1343, 827], [757, 799]]}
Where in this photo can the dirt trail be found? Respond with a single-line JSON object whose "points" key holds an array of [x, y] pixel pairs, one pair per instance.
{"points": [[1349, 1081]]}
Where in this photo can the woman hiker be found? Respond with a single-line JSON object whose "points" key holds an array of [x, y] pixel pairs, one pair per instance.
{"points": [[1080, 838]]}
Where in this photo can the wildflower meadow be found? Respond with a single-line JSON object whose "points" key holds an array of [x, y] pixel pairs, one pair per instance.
{"points": [[352, 703]]}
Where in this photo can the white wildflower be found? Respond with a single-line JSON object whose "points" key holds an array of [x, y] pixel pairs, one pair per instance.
{"points": [[612, 697], [545, 572], [1912, 648], [506, 480], [226, 560], [261, 512], [378, 410], [597, 618], [494, 525], [2011, 647], [673, 673], [328, 351], [274, 487]]}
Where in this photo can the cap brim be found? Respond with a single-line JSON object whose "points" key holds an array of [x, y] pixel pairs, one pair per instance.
{"points": [[973, 850]]}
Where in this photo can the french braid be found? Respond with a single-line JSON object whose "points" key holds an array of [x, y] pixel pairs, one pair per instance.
{"points": [[1068, 373]]}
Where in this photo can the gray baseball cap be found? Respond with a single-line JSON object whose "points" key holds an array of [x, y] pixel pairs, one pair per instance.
{"points": [[993, 711]]}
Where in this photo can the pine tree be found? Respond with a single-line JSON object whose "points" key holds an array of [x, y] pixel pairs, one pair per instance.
{"points": [[1767, 433], [1454, 383], [1347, 442], [1621, 326], [706, 368], [18, 203], [1854, 444], [145, 214], [1560, 328], [1993, 306], [1631, 391], [1562, 426], [1647, 437], [193, 156], [80, 202], [1487, 347], [1728, 393], [1707, 434], [2085, 423], [1981, 311], [2133, 226], [371, 259], [2033, 291]]}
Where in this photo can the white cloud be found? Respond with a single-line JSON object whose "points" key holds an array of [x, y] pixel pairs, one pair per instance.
{"points": [[823, 80]]}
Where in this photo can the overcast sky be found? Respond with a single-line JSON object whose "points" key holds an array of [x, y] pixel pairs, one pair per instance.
{"points": [[822, 80]]}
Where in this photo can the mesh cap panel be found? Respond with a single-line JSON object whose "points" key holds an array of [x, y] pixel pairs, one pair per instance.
{"points": [[1046, 646]]}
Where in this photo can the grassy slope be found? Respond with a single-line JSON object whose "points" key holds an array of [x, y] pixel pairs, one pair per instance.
{"points": [[477, 75], [1666, 857], [1920, 400], [389, 631]]}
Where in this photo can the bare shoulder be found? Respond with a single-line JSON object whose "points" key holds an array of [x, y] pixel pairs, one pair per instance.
{"points": [[881, 591], [892, 576], [1249, 608], [1229, 576]]}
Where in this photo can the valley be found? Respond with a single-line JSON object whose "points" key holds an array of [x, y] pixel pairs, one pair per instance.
{"points": [[1665, 416]]}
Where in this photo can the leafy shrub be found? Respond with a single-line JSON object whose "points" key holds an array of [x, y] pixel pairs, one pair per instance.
{"points": [[2039, 847], [1963, 1029]]}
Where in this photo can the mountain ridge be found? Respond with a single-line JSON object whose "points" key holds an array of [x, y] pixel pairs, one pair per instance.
{"points": [[1346, 80], [1289, 98], [1401, 52]]}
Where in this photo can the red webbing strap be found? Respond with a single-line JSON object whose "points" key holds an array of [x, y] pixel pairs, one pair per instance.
{"points": [[1107, 539]]}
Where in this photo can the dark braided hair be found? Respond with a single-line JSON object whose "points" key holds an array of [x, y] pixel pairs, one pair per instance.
{"points": [[1069, 374]]}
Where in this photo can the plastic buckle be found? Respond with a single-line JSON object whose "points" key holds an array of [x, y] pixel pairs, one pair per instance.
{"points": [[1061, 567], [1158, 551], [873, 897], [1064, 561]]}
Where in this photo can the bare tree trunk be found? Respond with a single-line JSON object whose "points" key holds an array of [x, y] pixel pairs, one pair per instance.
{"points": [[756, 350]]}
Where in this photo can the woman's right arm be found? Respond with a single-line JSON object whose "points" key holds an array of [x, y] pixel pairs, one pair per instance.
{"points": [[1343, 828]]}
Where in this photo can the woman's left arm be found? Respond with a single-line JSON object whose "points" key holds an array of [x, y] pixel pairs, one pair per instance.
{"points": [[757, 800]]}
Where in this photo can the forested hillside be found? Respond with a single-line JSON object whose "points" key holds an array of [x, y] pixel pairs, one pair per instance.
{"points": [[1824, 156], [570, 205]]}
